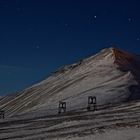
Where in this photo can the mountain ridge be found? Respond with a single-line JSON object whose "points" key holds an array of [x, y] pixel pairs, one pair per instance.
{"points": [[113, 52]]}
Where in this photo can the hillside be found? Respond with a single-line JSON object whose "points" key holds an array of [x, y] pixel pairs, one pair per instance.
{"points": [[111, 75], [120, 122]]}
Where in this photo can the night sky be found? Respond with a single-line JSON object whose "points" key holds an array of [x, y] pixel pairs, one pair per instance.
{"points": [[39, 36]]}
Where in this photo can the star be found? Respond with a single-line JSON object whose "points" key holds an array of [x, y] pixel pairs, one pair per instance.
{"points": [[37, 47], [138, 39], [130, 19], [92, 19], [18, 9], [66, 24], [95, 17]]}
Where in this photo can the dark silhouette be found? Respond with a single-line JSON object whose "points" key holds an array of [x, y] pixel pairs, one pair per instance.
{"points": [[92, 103], [2, 114], [62, 107]]}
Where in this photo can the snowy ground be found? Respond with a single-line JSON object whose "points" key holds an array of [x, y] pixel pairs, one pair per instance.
{"points": [[121, 134], [120, 122]]}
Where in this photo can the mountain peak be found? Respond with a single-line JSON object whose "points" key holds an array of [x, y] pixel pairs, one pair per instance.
{"points": [[121, 57], [118, 56]]}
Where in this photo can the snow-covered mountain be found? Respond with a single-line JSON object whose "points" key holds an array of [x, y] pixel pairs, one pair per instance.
{"points": [[112, 76]]}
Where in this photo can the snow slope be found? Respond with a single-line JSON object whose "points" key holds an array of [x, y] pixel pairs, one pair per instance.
{"points": [[111, 75]]}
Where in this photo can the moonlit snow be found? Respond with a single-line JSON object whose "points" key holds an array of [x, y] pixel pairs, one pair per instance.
{"points": [[112, 75]]}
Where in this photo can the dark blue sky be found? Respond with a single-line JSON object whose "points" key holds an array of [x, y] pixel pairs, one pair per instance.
{"points": [[38, 36]]}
